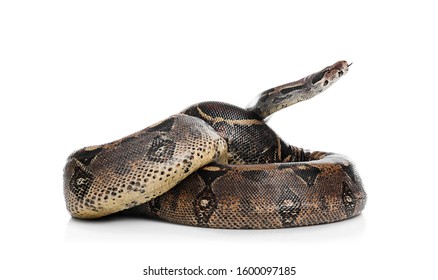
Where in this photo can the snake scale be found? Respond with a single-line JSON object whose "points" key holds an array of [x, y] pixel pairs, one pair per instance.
{"points": [[221, 166]]}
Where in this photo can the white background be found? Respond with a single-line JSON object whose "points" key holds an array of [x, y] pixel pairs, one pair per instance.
{"points": [[77, 73]]}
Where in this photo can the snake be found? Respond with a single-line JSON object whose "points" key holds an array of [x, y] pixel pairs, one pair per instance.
{"points": [[218, 165]]}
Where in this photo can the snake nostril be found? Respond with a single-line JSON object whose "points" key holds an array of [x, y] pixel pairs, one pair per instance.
{"points": [[340, 73]]}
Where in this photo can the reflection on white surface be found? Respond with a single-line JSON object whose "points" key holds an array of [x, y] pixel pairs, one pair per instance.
{"points": [[143, 230]]}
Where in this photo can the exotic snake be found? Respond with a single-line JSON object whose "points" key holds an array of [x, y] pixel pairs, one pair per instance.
{"points": [[218, 165]]}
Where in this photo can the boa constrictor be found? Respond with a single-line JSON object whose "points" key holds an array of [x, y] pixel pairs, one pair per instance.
{"points": [[218, 165]]}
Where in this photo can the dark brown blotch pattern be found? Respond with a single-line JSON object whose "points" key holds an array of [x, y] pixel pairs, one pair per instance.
{"points": [[80, 182], [348, 199], [307, 173], [204, 206]]}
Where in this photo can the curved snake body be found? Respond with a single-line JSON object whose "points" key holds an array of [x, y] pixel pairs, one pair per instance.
{"points": [[218, 165]]}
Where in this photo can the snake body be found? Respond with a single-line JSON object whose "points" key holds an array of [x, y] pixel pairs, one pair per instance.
{"points": [[219, 165]]}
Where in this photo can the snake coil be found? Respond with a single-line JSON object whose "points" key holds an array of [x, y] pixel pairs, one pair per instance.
{"points": [[219, 165]]}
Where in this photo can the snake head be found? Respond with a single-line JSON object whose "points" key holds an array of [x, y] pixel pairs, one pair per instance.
{"points": [[275, 99], [321, 80]]}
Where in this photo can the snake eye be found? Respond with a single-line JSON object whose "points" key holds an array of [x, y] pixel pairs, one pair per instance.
{"points": [[325, 83]]}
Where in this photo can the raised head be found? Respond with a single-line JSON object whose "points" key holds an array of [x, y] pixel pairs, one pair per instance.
{"points": [[277, 98]]}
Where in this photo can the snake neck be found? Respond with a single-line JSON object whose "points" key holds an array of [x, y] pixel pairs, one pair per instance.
{"points": [[277, 98]]}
